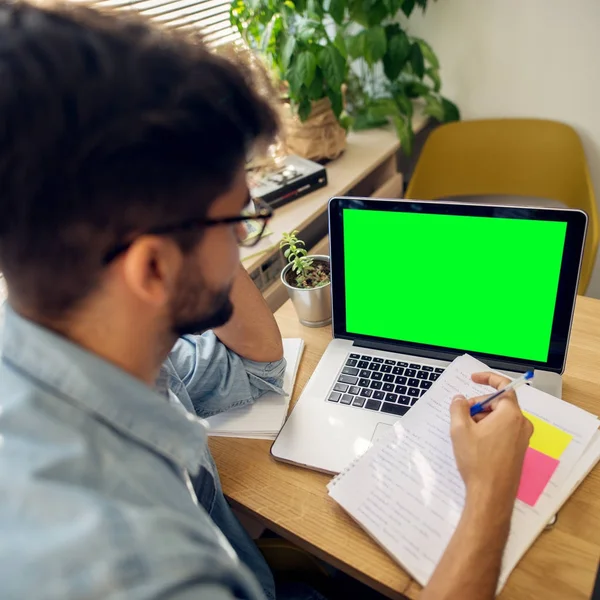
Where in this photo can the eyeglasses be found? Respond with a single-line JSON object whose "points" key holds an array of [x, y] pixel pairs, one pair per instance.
{"points": [[251, 227]]}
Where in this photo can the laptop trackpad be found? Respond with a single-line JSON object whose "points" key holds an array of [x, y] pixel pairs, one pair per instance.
{"points": [[380, 430]]}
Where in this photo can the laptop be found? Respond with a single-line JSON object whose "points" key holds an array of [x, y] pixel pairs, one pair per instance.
{"points": [[416, 284]]}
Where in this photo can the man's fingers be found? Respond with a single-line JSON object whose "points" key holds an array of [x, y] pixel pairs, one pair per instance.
{"points": [[460, 414], [497, 381], [492, 379], [482, 415]]}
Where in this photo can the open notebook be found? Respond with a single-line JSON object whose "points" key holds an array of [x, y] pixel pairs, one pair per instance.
{"points": [[264, 418], [407, 493]]}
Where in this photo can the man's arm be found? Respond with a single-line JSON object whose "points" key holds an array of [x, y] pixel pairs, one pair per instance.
{"points": [[252, 332], [489, 454], [216, 378], [470, 566]]}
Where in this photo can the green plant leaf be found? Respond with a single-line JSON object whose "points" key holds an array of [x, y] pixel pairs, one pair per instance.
{"points": [[415, 89], [295, 78], [375, 44], [315, 91], [359, 12], [288, 10], [376, 12], [306, 65], [407, 7], [405, 134], [398, 51], [307, 31], [394, 6], [392, 29], [364, 120], [286, 53], [337, 102], [346, 121], [404, 104], [356, 45], [382, 108], [434, 75], [333, 65], [238, 14], [340, 44], [451, 112], [314, 8], [416, 60], [269, 33], [434, 108], [428, 54], [304, 109], [253, 33], [337, 10], [294, 81]]}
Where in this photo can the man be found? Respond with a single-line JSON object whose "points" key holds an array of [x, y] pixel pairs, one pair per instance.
{"points": [[122, 155]]}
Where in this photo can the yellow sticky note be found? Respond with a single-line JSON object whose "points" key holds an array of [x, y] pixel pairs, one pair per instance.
{"points": [[546, 438]]}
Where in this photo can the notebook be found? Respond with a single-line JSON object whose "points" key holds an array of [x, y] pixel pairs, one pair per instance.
{"points": [[264, 418], [406, 492]]}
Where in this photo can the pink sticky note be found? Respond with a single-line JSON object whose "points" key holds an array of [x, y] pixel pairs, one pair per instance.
{"points": [[537, 470]]}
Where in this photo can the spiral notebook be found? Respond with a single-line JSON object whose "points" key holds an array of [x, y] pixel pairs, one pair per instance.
{"points": [[406, 492]]}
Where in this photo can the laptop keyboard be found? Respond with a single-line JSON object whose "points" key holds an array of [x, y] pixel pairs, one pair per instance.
{"points": [[383, 385]]}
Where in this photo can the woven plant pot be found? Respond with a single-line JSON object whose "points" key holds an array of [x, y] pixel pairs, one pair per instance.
{"points": [[320, 137]]}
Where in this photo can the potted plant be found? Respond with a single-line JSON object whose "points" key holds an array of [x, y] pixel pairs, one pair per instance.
{"points": [[307, 66], [319, 47], [308, 282]]}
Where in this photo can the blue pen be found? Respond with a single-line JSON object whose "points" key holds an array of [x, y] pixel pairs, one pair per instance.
{"points": [[513, 385]]}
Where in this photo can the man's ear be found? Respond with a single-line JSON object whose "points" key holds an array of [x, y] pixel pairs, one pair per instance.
{"points": [[151, 269]]}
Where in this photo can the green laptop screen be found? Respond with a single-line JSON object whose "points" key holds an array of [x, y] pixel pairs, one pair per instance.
{"points": [[476, 284]]}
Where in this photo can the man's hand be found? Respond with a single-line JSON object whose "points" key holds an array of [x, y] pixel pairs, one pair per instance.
{"points": [[489, 453]]}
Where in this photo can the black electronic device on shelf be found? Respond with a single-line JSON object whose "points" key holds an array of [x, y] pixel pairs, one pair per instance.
{"points": [[294, 178]]}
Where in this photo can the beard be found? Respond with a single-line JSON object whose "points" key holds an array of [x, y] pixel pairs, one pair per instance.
{"points": [[196, 309]]}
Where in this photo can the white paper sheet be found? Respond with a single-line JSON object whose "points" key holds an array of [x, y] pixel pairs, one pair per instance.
{"points": [[406, 490], [264, 418]]}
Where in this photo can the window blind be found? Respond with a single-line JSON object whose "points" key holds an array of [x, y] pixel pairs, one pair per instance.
{"points": [[211, 17]]}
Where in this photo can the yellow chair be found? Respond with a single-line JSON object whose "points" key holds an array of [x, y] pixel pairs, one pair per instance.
{"points": [[509, 157]]}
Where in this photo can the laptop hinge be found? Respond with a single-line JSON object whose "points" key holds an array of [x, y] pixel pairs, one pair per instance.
{"points": [[398, 348], [501, 365]]}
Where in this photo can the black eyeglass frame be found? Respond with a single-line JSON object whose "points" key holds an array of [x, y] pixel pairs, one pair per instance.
{"points": [[263, 213]]}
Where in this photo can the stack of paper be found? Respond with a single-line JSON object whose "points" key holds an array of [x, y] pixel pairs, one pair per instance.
{"points": [[407, 493], [264, 418]]}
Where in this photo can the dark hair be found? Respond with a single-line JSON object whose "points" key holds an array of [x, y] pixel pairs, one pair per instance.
{"points": [[107, 126]]}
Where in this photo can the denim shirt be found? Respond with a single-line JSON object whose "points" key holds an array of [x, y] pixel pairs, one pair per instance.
{"points": [[96, 471]]}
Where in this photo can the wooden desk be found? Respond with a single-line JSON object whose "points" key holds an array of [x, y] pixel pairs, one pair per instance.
{"points": [[294, 503]]}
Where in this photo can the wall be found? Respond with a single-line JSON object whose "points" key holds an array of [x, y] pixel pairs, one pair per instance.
{"points": [[522, 58]]}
